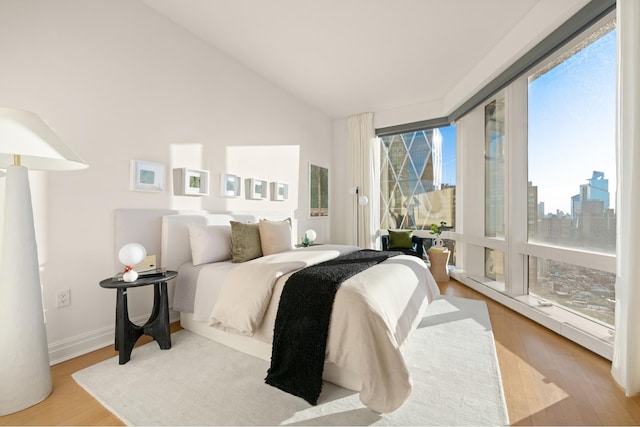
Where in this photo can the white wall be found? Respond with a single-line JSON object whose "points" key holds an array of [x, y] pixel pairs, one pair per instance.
{"points": [[341, 227], [119, 82]]}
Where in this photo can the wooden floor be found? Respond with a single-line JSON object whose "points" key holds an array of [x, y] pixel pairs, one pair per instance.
{"points": [[548, 380]]}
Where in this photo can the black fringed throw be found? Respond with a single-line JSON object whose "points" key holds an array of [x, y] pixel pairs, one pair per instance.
{"points": [[302, 322]]}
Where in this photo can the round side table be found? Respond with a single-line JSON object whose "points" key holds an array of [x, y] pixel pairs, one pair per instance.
{"points": [[127, 333]]}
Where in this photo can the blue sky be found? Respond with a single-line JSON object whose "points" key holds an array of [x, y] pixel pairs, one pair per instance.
{"points": [[448, 154], [572, 124]]}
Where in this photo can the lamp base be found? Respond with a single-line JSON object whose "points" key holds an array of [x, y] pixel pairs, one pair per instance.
{"points": [[25, 375]]}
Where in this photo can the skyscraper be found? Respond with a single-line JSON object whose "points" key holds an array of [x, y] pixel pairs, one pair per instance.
{"points": [[596, 189]]}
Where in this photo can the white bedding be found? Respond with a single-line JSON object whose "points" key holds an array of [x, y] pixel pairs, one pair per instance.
{"points": [[208, 286], [373, 314]]}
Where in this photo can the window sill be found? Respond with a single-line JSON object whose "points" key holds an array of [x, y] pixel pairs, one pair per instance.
{"points": [[591, 335]]}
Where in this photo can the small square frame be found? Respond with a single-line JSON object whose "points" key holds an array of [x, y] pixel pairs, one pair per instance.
{"points": [[256, 188], [229, 185], [279, 191], [190, 182], [146, 176]]}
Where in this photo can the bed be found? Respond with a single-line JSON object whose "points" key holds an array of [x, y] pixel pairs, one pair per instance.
{"points": [[236, 304]]}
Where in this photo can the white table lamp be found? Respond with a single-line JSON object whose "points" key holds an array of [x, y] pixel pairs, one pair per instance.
{"points": [[130, 255], [26, 142], [311, 235]]}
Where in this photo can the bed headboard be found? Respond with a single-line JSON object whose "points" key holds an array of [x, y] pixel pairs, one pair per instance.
{"points": [[176, 247]]}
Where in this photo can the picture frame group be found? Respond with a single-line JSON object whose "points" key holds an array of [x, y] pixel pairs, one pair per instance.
{"points": [[254, 188], [150, 177]]}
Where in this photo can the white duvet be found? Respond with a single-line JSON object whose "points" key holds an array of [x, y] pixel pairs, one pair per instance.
{"points": [[374, 312]]}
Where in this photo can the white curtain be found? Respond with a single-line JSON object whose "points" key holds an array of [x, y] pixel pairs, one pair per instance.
{"points": [[364, 160], [626, 350]]}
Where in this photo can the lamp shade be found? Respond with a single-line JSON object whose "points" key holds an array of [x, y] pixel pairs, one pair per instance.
{"points": [[25, 134], [132, 254], [311, 235]]}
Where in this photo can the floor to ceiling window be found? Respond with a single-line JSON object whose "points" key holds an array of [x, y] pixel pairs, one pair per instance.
{"points": [[532, 202], [552, 229], [536, 224], [572, 172]]}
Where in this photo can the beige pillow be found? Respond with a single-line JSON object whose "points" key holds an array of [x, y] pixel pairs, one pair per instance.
{"points": [[275, 236], [245, 241], [209, 243]]}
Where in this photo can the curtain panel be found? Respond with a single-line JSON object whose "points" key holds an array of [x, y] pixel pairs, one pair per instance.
{"points": [[364, 161], [626, 350]]}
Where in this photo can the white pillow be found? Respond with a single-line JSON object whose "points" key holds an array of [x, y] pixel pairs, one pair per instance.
{"points": [[275, 236], [209, 243]]}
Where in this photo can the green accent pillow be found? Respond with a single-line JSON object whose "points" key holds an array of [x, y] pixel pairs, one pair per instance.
{"points": [[400, 239], [245, 241]]}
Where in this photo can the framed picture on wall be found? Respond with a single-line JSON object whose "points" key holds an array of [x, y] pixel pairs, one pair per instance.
{"points": [[229, 185], [318, 191], [279, 191], [146, 176], [190, 182], [256, 188]]}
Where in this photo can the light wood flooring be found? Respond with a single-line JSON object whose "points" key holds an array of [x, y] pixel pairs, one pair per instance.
{"points": [[548, 380]]}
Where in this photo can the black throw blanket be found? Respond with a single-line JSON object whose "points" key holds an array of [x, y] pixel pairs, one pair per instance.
{"points": [[302, 322]]}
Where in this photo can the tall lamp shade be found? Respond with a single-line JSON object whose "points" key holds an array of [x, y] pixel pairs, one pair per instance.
{"points": [[26, 142]]}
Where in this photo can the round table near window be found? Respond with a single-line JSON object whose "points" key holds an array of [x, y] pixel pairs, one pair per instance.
{"points": [[439, 260], [127, 333]]}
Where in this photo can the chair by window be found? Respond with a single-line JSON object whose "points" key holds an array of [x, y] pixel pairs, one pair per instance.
{"points": [[417, 248]]}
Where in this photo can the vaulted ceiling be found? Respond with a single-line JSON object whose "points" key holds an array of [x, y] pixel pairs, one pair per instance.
{"points": [[349, 56]]}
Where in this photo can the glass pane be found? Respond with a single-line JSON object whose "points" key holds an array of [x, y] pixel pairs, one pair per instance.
{"points": [[572, 169], [588, 292], [451, 245], [494, 121], [494, 266], [417, 179]]}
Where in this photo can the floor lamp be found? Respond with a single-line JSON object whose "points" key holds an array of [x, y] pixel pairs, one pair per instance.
{"points": [[26, 142], [359, 201]]}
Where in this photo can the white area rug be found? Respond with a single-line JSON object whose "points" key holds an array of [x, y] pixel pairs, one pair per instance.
{"points": [[451, 356]]}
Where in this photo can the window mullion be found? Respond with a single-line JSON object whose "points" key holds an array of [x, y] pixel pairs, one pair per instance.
{"points": [[516, 189]]}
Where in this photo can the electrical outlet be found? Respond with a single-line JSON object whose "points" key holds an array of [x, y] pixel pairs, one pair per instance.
{"points": [[64, 298]]}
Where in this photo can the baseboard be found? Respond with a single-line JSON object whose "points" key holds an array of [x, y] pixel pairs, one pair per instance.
{"points": [[70, 348]]}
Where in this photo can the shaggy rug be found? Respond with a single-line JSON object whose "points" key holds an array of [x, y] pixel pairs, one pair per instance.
{"points": [[451, 357]]}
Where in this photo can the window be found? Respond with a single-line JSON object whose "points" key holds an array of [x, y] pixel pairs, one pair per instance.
{"points": [[494, 140], [494, 266], [571, 172], [537, 193], [572, 145], [585, 291], [417, 179]]}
